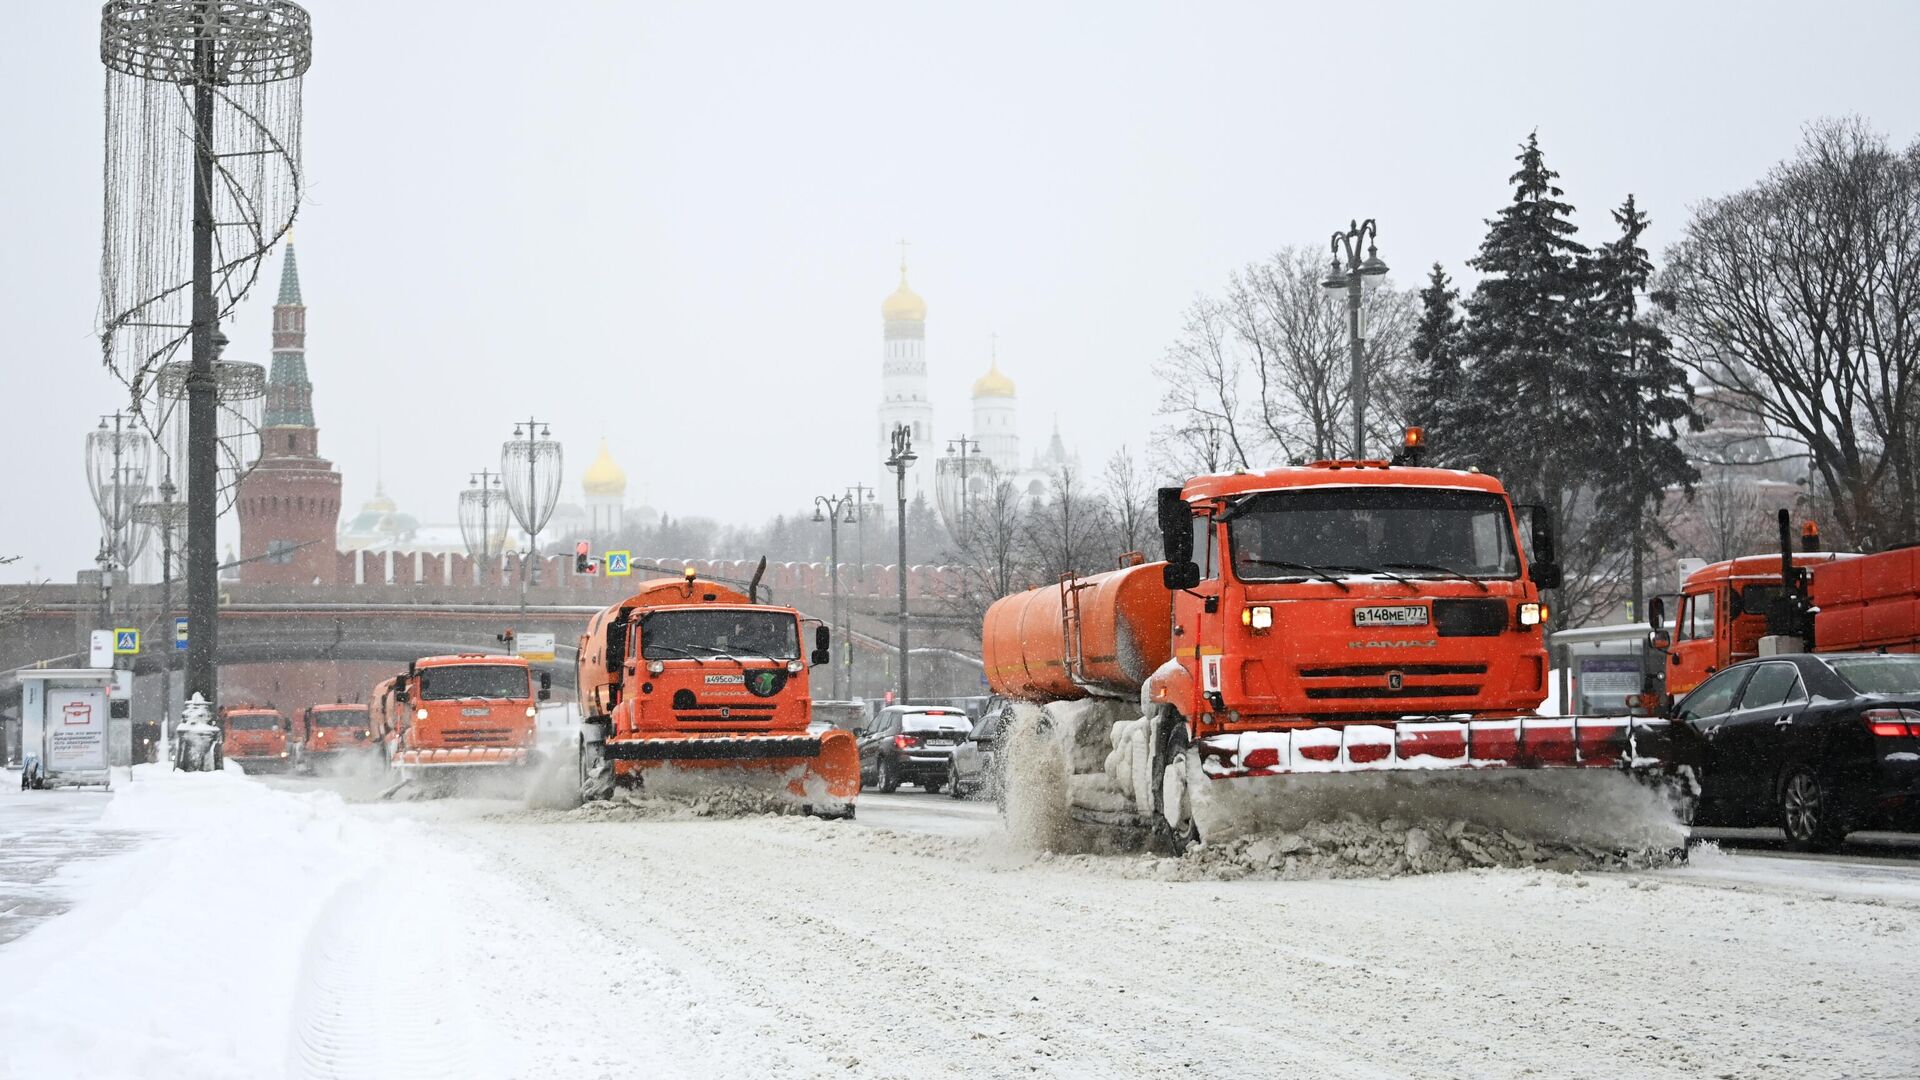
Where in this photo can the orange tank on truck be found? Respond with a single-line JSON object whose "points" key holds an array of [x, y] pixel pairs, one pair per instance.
{"points": [[462, 711], [255, 733], [1335, 616], [693, 678], [1813, 600]]}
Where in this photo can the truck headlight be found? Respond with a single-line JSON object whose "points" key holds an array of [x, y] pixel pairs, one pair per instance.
{"points": [[794, 666], [419, 714], [658, 667], [1532, 614], [1259, 617], [532, 712]]}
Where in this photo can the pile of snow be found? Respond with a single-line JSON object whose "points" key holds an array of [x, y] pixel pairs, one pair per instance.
{"points": [[711, 802], [1391, 847], [139, 978]]}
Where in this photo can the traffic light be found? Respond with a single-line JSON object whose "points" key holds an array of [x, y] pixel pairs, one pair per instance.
{"points": [[506, 637], [584, 563]]}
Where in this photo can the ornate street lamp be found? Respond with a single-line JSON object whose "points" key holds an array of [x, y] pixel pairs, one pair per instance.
{"points": [[833, 509], [530, 465], [483, 521], [1355, 275], [899, 461]]}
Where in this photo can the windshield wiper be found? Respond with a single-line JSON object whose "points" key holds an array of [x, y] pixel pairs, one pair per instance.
{"points": [[718, 653], [695, 657], [1382, 573], [1314, 570], [1438, 569]]}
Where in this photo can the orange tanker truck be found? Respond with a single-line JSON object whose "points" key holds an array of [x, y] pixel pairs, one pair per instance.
{"points": [[256, 736], [1312, 623], [447, 716], [330, 734], [691, 680], [1805, 601]]}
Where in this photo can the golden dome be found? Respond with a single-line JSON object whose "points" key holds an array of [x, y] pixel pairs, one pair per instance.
{"points": [[380, 503], [993, 384], [904, 303], [603, 477]]}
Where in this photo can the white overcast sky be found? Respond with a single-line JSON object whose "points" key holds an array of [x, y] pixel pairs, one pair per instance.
{"points": [[673, 225]]}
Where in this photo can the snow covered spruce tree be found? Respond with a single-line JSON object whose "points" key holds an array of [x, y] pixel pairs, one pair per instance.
{"points": [[1542, 388], [1436, 376], [1646, 399]]}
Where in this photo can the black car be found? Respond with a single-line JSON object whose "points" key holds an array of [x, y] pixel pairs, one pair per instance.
{"points": [[1816, 745], [911, 744]]}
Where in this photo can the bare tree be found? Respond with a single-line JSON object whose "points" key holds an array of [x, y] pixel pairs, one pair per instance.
{"points": [[1203, 373], [1799, 300], [991, 554], [1064, 534], [1129, 495], [1261, 376]]}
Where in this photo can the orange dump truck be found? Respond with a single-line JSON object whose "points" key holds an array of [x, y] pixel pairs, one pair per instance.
{"points": [[448, 714], [692, 681], [257, 737], [1336, 618], [330, 734], [1808, 600]]}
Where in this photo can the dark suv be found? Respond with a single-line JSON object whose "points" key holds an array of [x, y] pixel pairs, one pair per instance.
{"points": [[911, 744]]}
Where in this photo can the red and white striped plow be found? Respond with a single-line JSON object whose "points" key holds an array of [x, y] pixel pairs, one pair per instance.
{"points": [[1545, 742]]}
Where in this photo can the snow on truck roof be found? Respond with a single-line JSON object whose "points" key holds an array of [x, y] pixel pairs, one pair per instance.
{"points": [[1337, 474]]}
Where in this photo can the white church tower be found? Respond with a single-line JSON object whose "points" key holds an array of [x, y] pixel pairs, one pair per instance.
{"points": [[903, 391], [995, 420]]}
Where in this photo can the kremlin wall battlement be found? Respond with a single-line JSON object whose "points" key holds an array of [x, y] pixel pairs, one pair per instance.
{"points": [[783, 580]]}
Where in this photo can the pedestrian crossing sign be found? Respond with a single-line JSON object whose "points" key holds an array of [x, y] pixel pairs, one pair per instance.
{"points": [[619, 563], [126, 641]]}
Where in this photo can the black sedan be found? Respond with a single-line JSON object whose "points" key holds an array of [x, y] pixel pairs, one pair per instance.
{"points": [[1816, 745]]}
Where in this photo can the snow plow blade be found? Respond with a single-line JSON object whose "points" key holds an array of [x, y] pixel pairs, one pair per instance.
{"points": [[1547, 742], [823, 770]]}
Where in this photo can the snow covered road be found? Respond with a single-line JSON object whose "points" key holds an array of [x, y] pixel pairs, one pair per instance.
{"points": [[474, 938]]}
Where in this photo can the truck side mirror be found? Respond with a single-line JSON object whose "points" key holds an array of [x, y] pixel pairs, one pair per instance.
{"points": [[400, 692], [1545, 567], [1176, 539], [1659, 641], [822, 646], [1657, 614]]}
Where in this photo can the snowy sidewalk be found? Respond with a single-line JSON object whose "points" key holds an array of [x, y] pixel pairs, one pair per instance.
{"points": [[43, 836]]}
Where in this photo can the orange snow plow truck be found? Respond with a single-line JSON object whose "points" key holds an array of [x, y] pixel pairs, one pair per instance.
{"points": [[689, 681], [448, 715], [1367, 630], [1794, 601], [257, 737]]}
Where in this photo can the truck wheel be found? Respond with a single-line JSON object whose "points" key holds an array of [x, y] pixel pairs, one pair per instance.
{"points": [[1808, 811], [596, 773], [1173, 825], [888, 782]]}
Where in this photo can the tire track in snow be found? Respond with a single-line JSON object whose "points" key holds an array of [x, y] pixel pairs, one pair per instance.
{"points": [[379, 997]]}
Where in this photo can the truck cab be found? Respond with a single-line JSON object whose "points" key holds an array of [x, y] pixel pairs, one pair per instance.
{"points": [[1721, 614], [256, 735], [332, 731], [1346, 592], [465, 708]]}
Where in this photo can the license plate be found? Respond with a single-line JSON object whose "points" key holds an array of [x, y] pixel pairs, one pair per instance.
{"points": [[725, 680], [1398, 615], [473, 712]]}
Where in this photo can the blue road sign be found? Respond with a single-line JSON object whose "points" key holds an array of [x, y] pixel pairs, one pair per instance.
{"points": [[180, 633], [126, 641]]}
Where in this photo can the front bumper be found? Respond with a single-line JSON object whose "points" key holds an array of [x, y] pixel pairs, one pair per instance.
{"points": [[1544, 742], [714, 748]]}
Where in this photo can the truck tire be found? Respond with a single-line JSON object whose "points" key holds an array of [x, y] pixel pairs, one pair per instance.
{"points": [[1173, 831], [595, 771]]}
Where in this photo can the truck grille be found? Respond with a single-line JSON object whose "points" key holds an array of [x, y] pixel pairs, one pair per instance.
{"points": [[1381, 671], [1330, 693], [476, 736]]}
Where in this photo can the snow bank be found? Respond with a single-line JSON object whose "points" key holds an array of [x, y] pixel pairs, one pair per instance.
{"points": [[190, 956]]}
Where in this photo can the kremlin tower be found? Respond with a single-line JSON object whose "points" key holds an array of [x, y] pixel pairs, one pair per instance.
{"points": [[289, 504], [903, 389]]}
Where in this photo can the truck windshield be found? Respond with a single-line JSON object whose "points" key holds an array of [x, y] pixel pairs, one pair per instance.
{"points": [[340, 718], [474, 681], [1413, 532], [670, 635], [253, 722]]}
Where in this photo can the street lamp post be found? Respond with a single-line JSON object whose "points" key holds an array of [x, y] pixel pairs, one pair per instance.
{"points": [[1355, 275], [530, 465], [902, 457], [831, 509], [968, 447], [168, 516]]}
